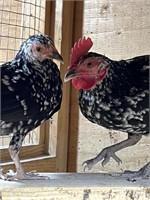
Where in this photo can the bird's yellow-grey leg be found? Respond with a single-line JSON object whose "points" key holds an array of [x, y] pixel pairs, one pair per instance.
{"points": [[20, 173], [110, 151]]}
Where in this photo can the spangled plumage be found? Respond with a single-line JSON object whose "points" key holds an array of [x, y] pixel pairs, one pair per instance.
{"points": [[120, 101], [31, 89], [113, 94]]}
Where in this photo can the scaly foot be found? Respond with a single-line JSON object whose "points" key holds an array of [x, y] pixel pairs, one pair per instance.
{"points": [[110, 151], [143, 173], [11, 175], [104, 155]]}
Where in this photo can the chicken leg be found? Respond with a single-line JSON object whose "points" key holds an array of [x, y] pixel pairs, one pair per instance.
{"points": [[20, 173], [110, 151]]}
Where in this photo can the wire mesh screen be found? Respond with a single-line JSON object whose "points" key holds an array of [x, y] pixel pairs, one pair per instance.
{"points": [[18, 20]]}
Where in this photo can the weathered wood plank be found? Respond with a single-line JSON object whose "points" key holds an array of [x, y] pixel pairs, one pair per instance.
{"points": [[76, 187], [63, 115]]}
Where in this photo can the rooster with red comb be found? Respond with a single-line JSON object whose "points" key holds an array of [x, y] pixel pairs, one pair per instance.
{"points": [[112, 94]]}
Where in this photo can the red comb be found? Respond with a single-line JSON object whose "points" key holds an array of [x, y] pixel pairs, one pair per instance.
{"points": [[80, 49]]}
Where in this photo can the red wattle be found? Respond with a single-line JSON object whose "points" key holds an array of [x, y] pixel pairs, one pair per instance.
{"points": [[83, 83]]}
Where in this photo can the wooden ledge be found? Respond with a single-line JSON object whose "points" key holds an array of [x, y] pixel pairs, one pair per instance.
{"points": [[74, 186]]}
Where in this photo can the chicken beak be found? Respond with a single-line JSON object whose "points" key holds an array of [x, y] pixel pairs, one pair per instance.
{"points": [[52, 53], [57, 56], [70, 74]]}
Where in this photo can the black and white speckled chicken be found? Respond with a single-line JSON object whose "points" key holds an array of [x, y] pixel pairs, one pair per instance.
{"points": [[31, 92], [113, 94]]}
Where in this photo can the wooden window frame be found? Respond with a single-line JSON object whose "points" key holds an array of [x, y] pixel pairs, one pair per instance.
{"points": [[37, 150], [60, 24]]}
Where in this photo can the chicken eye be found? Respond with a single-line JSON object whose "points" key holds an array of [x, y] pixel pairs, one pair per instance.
{"points": [[89, 64], [39, 49]]}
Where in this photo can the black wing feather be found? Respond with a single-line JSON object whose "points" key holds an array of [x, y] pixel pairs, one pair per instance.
{"points": [[138, 70], [11, 108]]}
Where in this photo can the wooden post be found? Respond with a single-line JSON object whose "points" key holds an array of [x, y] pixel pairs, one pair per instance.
{"points": [[74, 107], [63, 115]]}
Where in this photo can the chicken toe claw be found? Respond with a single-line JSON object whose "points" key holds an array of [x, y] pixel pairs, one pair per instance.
{"points": [[103, 156], [88, 164]]}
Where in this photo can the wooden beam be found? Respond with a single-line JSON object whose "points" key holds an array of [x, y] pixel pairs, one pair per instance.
{"points": [[74, 108], [88, 186], [25, 152], [42, 164], [63, 115], [49, 30], [50, 18]]}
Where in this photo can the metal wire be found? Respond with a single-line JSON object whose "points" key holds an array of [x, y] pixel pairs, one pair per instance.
{"points": [[18, 20]]}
